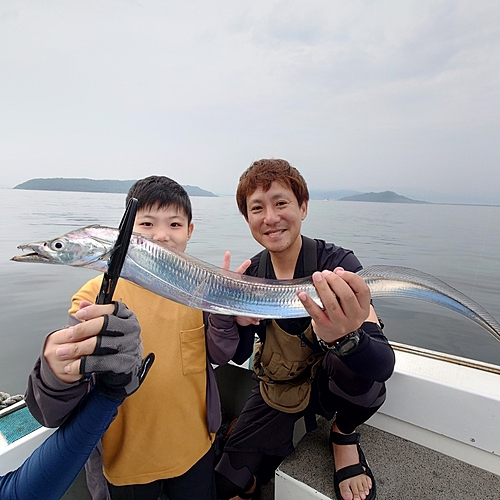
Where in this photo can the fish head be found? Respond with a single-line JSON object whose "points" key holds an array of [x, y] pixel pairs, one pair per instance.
{"points": [[79, 248]]}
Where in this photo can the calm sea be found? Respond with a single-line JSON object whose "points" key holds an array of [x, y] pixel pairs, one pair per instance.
{"points": [[458, 244]]}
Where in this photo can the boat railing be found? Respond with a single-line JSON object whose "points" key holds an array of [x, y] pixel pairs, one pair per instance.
{"points": [[450, 358], [9, 404]]}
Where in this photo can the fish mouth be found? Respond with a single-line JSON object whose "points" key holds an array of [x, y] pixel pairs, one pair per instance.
{"points": [[32, 256]]}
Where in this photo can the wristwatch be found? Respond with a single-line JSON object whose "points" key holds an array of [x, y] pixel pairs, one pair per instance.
{"points": [[343, 346]]}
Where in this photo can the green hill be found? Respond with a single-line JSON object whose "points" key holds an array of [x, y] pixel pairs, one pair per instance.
{"points": [[383, 197], [94, 186]]}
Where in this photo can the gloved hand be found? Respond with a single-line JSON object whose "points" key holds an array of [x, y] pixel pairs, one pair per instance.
{"points": [[121, 385], [118, 348], [117, 358]]}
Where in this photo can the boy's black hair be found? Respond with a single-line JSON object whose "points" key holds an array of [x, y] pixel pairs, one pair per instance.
{"points": [[160, 192]]}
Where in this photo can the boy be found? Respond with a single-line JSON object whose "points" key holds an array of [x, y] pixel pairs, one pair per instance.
{"points": [[341, 348], [162, 438]]}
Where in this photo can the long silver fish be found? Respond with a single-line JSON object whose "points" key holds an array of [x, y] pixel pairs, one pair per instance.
{"points": [[192, 282]]}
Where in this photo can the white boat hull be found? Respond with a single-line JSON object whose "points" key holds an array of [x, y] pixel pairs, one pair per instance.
{"points": [[451, 406]]}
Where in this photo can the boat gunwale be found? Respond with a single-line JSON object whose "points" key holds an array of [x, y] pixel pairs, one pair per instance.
{"points": [[449, 358]]}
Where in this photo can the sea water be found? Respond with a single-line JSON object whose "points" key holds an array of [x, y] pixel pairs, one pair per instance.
{"points": [[457, 243]]}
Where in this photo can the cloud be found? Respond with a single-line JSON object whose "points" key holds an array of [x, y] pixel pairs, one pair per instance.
{"points": [[357, 94]]}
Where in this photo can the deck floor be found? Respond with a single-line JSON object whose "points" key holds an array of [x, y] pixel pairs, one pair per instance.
{"points": [[402, 469]]}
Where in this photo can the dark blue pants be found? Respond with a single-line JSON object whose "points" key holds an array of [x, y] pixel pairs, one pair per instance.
{"points": [[263, 436], [197, 483]]}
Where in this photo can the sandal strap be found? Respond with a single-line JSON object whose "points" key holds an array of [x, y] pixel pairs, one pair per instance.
{"points": [[344, 439], [249, 496], [349, 471]]}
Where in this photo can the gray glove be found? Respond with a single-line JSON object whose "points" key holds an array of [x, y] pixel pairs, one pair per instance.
{"points": [[117, 358], [119, 347], [119, 386]]}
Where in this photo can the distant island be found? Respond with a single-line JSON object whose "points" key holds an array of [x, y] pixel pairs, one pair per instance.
{"points": [[94, 186], [350, 195], [115, 186], [383, 197]]}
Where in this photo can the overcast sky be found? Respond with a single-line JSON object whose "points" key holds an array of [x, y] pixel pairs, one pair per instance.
{"points": [[364, 95]]}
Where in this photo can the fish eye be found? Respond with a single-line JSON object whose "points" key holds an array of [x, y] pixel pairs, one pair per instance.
{"points": [[57, 245]]}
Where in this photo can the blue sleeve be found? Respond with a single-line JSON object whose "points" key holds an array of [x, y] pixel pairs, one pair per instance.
{"points": [[54, 465]]}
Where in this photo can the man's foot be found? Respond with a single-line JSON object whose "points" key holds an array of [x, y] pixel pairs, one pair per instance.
{"points": [[352, 477]]}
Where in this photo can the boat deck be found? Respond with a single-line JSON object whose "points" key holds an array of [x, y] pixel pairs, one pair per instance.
{"points": [[402, 469]]}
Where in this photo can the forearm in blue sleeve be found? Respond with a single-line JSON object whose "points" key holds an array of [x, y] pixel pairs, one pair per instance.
{"points": [[54, 465]]}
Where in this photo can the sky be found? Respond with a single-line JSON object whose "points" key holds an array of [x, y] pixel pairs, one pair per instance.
{"points": [[357, 94]]}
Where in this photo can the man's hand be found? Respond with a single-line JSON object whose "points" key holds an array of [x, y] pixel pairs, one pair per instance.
{"points": [[346, 304], [226, 263]]}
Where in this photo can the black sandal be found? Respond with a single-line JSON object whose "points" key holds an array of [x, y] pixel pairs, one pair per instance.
{"points": [[351, 470]]}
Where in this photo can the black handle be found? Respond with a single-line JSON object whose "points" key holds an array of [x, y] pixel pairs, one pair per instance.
{"points": [[118, 254]]}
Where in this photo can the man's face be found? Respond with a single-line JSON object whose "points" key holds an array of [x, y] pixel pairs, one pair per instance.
{"points": [[275, 217], [167, 225]]}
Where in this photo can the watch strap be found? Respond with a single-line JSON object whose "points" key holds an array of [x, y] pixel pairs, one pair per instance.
{"points": [[343, 346]]}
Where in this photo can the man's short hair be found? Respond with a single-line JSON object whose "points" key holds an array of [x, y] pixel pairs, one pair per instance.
{"points": [[262, 173], [160, 192]]}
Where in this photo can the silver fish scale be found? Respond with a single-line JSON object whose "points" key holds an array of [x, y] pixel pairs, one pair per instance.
{"points": [[178, 277], [192, 282], [394, 281], [204, 286]]}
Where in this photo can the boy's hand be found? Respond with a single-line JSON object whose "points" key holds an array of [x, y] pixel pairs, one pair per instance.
{"points": [[94, 344], [119, 386], [64, 348], [346, 303], [118, 346], [226, 263]]}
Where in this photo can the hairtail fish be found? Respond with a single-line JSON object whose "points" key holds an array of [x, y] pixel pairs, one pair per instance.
{"points": [[187, 280]]}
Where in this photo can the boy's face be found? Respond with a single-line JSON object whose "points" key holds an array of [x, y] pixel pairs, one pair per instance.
{"points": [[275, 217], [168, 225]]}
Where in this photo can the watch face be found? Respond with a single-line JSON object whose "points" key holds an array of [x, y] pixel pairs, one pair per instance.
{"points": [[342, 347], [348, 346], [350, 343]]}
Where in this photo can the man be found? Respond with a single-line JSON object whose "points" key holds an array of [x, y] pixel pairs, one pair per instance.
{"points": [[333, 362]]}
